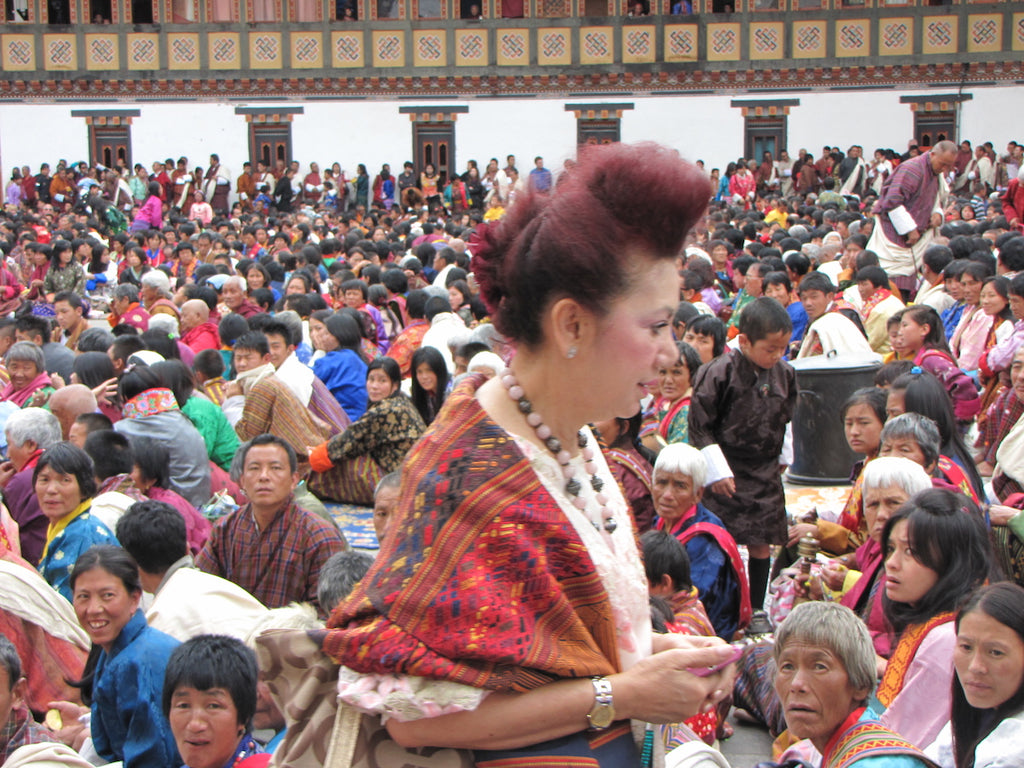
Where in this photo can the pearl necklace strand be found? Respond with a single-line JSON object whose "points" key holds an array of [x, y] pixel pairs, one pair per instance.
{"points": [[573, 486]]}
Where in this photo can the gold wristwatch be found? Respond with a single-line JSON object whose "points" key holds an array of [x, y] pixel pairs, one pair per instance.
{"points": [[602, 714]]}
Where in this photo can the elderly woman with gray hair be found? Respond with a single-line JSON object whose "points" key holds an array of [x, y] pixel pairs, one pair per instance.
{"points": [[825, 676], [917, 438], [125, 308], [30, 383], [29, 432], [680, 475], [155, 290]]}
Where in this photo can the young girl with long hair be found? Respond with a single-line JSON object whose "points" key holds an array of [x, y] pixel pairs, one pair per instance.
{"points": [[922, 338], [937, 552], [429, 382]]}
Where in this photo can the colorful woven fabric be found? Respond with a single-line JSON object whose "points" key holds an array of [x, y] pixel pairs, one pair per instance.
{"points": [[1001, 417], [484, 581], [957, 478], [407, 342], [903, 656], [151, 401], [689, 616], [634, 475], [271, 406], [754, 689], [862, 737], [675, 424], [350, 481]]}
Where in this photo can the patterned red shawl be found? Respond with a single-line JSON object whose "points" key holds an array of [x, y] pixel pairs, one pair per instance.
{"points": [[482, 581], [20, 396]]}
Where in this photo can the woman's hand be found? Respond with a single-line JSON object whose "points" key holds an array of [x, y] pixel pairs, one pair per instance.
{"points": [[671, 640], [7, 471], [798, 531], [661, 689], [1000, 515], [808, 586], [985, 469], [38, 400], [72, 732], [725, 487], [106, 392], [833, 574]]}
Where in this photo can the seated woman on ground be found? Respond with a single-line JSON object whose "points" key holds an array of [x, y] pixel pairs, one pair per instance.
{"points": [[937, 552], [922, 338], [920, 392], [673, 406], [342, 369], [130, 657], [680, 474], [430, 382], [825, 679], [65, 484], [916, 437], [348, 467], [987, 721], [29, 383]]}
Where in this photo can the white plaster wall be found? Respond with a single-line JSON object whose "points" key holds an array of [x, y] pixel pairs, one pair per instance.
{"points": [[994, 114], [40, 133], [352, 132], [194, 131], [699, 127], [872, 119], [525, 128]]}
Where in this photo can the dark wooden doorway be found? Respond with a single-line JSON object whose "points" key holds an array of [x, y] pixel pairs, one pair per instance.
{"points": [[434, 143], [764, 135], [932, 127], [110, 143], [270, 142], [597, 131]]}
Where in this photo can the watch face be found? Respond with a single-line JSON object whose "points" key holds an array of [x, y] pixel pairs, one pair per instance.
{"points": [[601, 716]]}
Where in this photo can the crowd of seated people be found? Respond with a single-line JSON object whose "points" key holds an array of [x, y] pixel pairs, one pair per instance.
{"points": [[191, 388]]}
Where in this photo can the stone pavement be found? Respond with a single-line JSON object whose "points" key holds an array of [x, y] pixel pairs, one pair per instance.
{"points": [[749, 745]]}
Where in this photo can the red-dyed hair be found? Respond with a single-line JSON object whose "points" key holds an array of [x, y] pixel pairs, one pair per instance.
{"points": [[580, 241]]}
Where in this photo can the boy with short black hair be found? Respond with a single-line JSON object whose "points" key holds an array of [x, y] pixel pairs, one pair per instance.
{"points": [[667, 567], [741, 404]]}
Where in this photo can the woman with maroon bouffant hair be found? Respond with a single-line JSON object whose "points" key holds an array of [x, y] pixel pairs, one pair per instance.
{"points": [[507, 614]]}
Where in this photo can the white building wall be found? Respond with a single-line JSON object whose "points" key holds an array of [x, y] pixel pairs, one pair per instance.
{"points": [[699, 127], [40, 133], [525, 128], [177, 130], [373, 132], [994, 114], [872, 119], [352, 132]]}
